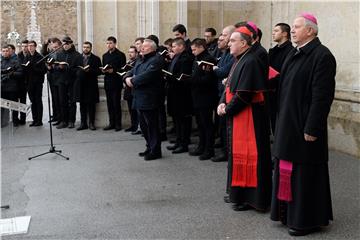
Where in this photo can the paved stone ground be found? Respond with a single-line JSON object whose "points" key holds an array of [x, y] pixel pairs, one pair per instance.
{"points": [[105, 191]]}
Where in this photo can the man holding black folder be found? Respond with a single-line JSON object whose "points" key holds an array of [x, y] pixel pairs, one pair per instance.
{"points": [[204, 94], [179, 100], [113, 60], [87, 89], [35, 75]]}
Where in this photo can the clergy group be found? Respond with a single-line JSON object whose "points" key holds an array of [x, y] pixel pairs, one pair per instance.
{"points": [[266, 111]]}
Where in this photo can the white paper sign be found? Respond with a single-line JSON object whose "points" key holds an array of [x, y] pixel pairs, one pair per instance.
{"points": [[16, 106], [17, 225]]}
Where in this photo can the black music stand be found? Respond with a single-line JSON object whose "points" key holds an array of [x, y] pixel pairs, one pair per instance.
{"points": [[52, 147]]}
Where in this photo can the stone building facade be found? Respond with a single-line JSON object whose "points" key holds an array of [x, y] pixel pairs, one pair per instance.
{"points": [[96, 20]]}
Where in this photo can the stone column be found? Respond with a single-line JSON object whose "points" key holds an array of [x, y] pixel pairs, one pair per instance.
{"points": [[89, 20]]}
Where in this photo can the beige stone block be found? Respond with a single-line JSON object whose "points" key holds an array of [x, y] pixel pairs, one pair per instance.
{"points": [[127, 24], [167, 19], [347, 75], [104, 24], [344, 126]]}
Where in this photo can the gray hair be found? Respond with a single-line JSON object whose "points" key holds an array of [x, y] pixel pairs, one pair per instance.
{"points": [[153, 44], [230, 29], [309, 23]]}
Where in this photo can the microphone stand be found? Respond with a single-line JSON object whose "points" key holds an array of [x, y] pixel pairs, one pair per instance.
{"points": [[52, 147]]}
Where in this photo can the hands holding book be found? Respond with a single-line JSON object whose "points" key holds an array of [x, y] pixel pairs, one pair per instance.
{"points": [[182, 76], [85, 68], [206, 66], [107, 69]]}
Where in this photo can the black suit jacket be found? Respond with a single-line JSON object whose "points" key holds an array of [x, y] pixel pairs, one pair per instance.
{"points": [[86, 87], [179, 100], [117, 60], [203, 83]]}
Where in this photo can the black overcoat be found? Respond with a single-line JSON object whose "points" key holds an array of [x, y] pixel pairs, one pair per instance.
{"points": [[306, 91], [179, 101], [147, 81], [203, 83], [86, 86]]}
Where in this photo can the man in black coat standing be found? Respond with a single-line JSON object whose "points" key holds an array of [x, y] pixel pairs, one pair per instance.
{"points": [[22, 83], [114, 59], [277, 55], [179, 101], [145, 78], [35, 73], [128, 95], [67, 67], [10, 73], [204, 94], [86, 87], [301, 196]]}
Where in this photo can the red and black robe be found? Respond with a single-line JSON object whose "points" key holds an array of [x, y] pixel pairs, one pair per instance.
{"points": [[249, 159]]}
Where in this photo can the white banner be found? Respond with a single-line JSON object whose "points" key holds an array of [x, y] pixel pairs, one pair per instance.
{"points": [[16, 106]]}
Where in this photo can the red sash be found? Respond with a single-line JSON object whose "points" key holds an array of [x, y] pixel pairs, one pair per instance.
{"points": [[244, 148]]}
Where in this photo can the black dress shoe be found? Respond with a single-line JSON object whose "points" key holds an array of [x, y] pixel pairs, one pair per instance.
{"points": [[15, 124], [220, 158], [82, 127], [22, 122], [92, 127], [37, 124], [71, 125], [196, 152], [171, 148], [240, 207], [109, 127], [62, 125], [32, 124], [136, 133], [130, 129], [180, 149], [206, 156], [117, 129], [152, 156], [227, 199], [302, 232], [56, 123], [142, 154]]}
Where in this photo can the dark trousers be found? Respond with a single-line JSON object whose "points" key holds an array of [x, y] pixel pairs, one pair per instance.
{"points": [[85, 110], [22, 97], [204, 120], [162, 115], [12, 96], [149, 124], [113, 99], [272, 109], [55, 102], [67, 103], [35, 95], [222, 126], [183, 130], [133, 114]]}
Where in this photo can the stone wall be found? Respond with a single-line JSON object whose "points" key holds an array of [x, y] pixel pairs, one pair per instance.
{"points": [[121, 19], [55, 18]]}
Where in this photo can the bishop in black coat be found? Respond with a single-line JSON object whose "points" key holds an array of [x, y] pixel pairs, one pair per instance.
{"points": [[301, 195]]}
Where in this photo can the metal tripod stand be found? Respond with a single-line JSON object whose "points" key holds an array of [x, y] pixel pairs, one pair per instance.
{"points": [[52, 147]]}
